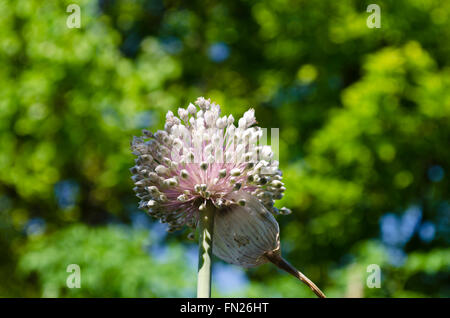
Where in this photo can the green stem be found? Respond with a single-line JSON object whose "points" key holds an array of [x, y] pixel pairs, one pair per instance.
{"points": [[206, 228]]}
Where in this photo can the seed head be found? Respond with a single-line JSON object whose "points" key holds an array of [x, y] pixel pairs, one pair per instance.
{"points": [[201, 155]]}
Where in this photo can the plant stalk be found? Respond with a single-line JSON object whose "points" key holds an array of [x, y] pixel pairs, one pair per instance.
{"points": [[276, 258], [206, 228]]}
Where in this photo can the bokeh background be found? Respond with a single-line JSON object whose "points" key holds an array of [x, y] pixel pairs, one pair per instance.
{"points": [[364, 119]]}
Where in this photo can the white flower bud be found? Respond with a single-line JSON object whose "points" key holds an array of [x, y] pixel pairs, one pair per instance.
{"points": [[230, 120], [171, 182], [222, 173], [191, 109], [184, 174], [161, 170], [183, 113], [235, 172]]}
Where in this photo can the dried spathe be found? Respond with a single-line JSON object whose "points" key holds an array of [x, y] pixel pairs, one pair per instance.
{"points": [[244, 234]]}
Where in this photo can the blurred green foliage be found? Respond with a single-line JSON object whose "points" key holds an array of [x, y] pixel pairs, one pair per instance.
{"points": [[113, 263], [363, 114]]}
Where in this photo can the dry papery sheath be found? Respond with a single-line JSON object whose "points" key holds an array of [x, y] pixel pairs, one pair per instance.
{"points": [[202, 156]]}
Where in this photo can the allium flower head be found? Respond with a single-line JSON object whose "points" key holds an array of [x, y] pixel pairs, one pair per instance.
{"points": [[201, 155], [204, 170]]}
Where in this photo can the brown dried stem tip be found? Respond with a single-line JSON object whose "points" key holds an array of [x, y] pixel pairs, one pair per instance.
{"points": [[276, 258]]}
